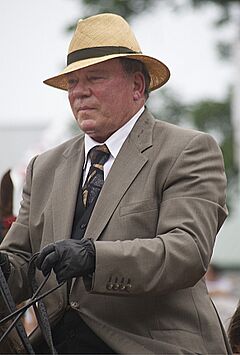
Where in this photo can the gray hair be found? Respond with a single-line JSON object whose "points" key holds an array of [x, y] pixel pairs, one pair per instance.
{"points": [[131, 66]]}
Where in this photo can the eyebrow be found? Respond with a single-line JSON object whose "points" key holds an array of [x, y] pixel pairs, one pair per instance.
{"points": [[90, 71], [97, 71]]}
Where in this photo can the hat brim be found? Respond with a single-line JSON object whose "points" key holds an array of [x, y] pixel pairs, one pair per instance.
{"points": [[158, 71]]}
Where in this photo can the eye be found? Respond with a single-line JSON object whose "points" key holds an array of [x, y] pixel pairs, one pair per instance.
{"points": [[94, 78], [71, 82]]}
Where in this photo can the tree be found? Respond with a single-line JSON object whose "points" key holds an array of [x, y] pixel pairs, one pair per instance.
{"points": [[125, 8], [231, 14]]}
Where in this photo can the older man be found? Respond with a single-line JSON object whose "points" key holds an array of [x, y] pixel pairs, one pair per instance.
{"points": [[127, 212]]}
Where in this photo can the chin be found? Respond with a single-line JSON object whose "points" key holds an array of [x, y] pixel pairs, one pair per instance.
{"points": [[96, 137]]}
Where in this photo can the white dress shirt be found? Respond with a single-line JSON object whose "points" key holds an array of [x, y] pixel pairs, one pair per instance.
{"points": [[114, 144]]}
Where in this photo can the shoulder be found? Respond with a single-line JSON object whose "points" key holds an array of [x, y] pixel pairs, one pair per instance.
{"points": [[169, 131], [53, 156], [169, 139], [181, 137], [172, 142]]}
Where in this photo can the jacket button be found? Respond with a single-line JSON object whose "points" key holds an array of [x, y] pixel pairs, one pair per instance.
{"points": [[74, 304]]}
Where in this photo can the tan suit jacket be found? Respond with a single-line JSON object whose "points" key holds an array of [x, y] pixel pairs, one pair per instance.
{"points": [[154, 226]]}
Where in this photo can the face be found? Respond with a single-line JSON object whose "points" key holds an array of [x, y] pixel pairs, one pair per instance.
{"points": [[103, 97]]}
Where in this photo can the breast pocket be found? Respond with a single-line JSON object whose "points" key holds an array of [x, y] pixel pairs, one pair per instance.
{"points": [[139, 207], [139, 219]]}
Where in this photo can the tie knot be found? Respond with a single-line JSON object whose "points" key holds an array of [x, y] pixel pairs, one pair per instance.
{"points": [[99, 154]]}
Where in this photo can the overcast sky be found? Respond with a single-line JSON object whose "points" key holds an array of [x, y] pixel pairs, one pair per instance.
{"points": [[34, 47]]}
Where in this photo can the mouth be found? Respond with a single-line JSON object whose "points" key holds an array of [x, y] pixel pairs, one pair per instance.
{"points": [[84, 108]]}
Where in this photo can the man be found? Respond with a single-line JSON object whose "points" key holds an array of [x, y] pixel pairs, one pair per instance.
{"points": [[133, 250]]}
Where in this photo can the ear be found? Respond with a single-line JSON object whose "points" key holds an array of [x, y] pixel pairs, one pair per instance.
{"points": [[138, 86]]}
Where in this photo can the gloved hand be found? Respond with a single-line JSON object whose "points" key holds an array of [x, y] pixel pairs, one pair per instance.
{"points": [[68, 258], [5, 265]]}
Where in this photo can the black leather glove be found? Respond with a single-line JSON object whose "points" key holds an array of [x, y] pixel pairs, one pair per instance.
{"points": [[5, 265], [68, 258]]}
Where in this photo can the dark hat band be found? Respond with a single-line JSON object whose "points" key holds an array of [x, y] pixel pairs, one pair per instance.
{"points": [[87, 53]]}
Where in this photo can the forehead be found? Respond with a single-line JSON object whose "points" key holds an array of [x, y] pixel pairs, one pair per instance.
{"points": [[112, 65]]}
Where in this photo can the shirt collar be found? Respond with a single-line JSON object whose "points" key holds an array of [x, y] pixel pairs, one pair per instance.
{"points": [[116, 140]]}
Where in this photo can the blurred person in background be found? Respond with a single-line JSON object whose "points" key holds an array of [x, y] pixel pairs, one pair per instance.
{"points": [[222, 292], [234, 331], [127, 212]]}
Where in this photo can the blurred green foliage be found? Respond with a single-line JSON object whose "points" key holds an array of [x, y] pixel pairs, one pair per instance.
{"points": [[125, 8], [225, 6]]}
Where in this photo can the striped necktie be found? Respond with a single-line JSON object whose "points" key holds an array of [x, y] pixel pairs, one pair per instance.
{"points": [[98, 156]]}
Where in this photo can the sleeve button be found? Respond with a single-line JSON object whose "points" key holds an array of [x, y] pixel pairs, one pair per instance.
{"points": [[116, 286], [128, 287], [109, 286]]}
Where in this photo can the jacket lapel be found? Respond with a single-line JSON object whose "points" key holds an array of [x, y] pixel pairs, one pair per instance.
{"points": [[125, 168], [65, 189]]}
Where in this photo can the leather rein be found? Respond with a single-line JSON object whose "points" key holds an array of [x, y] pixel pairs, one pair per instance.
{"points": [[38, 306]]}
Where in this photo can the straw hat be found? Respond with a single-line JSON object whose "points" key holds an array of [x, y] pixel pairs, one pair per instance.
{"points": [[102, 37]]}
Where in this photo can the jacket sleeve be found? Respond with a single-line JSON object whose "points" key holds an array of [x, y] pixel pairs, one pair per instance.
{"points": [[192, 210]]}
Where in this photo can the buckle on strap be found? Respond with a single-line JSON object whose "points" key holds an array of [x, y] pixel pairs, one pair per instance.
{"points": [[40, 310]]}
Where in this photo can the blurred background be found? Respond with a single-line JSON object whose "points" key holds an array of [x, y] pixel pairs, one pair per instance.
{"points": [[200, 43]]}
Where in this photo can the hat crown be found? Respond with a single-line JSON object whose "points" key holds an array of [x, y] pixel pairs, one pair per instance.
{"points": [[103, 30], [103, 37]]}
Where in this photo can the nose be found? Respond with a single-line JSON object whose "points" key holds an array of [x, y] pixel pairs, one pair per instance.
{"points": [[80, 90]]}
